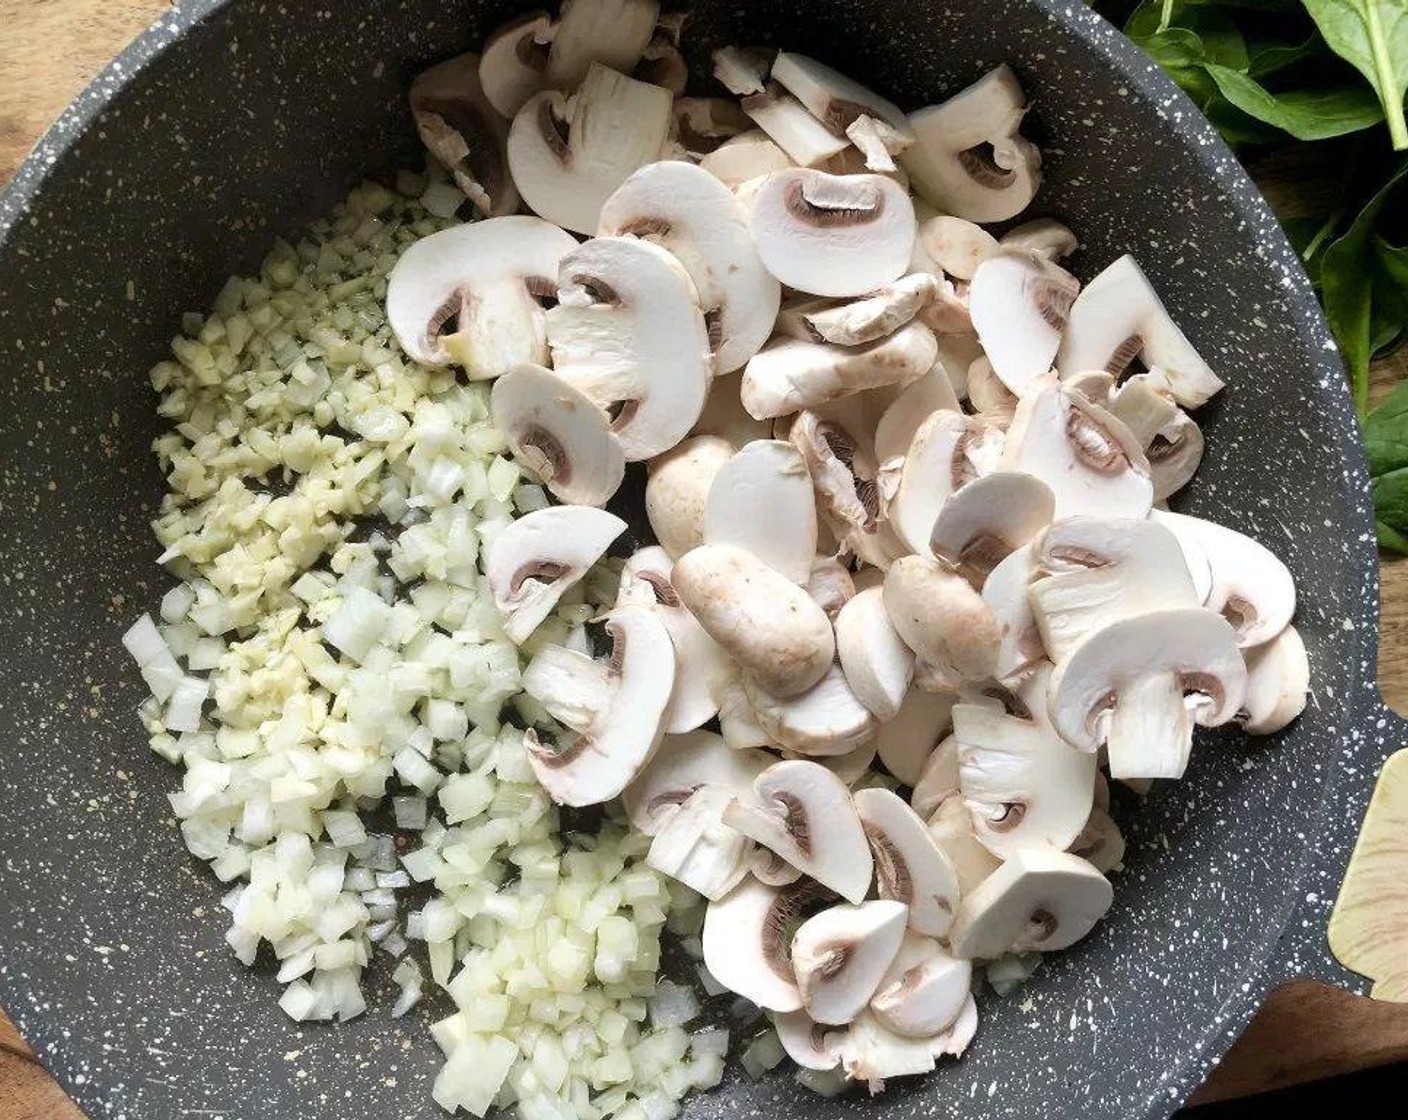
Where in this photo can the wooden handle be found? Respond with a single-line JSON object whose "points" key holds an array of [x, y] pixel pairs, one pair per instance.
{"points": [[26, 1090]]}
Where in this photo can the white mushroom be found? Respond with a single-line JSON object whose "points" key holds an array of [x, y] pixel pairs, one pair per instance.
{"points": [[559, 434], [628, 332], [864, 320], [1172, 443], [724, 415], [850, 767], [941, 617], [1042, 235], [462, 130], [677, 491], [738, 723], [1139, 685], [1100, 842], [485, 277], [662, 64], [898, 424], [877, 664], [598, 762], [876, 145], [1006, 592], [871, 1052], [771, 868], [603, 33], [704, 124], [833, 235], [1118, 318], [762, 500], [746, 936], [571, 687], [987, 520], [1018, 303], [682, 765], [969, 157], [826, 720], [910, 867], [515, 56], [568, 156], [951, 826], [956, 245], [696, 848], [1278, 681], [957, 352], [830, 585], [907, 742], [947, 312], [803, 812], [1038, 899], [743, 70], [536, 558], [832, 97], [808, 1043], [924, 991], [807, 141], [689, 212], [1022, 783], [986, 392], [748, 156], [841, 954]]}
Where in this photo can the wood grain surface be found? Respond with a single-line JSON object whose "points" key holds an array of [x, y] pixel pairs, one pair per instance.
{"points": [[50, 49]]}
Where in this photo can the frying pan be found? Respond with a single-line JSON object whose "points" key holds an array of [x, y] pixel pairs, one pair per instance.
{"points": [[232, 122]]}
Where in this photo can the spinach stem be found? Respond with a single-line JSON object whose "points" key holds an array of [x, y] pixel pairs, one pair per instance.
{"points": [[1389, 91]]}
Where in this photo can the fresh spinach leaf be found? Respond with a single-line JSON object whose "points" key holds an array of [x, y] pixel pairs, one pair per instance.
{"points": [[1386, 447], [1315, 114], [1371, 35], [1273, 56]]}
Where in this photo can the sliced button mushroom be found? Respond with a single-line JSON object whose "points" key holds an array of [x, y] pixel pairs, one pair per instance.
{"points": [[683, 765], [696, 848], [1249, 586], [597, 763], [603, 33], [924, 991], [703, 124], [871, 1052], [1172, 443], [807, 141], [877, 664], [841, 954], [689, 212], [803, 812], [1100, 842], [951, 826], [662, 64], [1023, 784], [788, 375], [461, 129], [957, 352], [628, 332], [864, 320], [920, 400], [1006, 592], [986, 521], [568, 156], [906, 743], [761, 618], [833, 235], [850, 767], [771, 868], [910, 867], [1118, 318], [677, 491], [571, 687], [738, 723], [969, 157], [1278, 682], [725, 417], [1139, 685], [808, 1043], [746, 937], [743, 70], [1045, 236], [835, 445], [535, 559], [559, 434], [515, 56], [485, 278], [746, 157], [1018, 303], [762, 501], [947, 313], [826, 720], [830, 585], [956, 245], [876, 144], [944, 455], [1038, 899], [986, 392], [830, 96], [941, 617], [1091, 461]]}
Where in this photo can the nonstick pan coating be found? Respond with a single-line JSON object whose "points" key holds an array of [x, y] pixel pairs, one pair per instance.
{"points": [[231, 123]]}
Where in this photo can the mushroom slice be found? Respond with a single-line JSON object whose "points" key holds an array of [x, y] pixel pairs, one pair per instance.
{"points": [[746, 937], [806, 140], [877, 664], [871, 1052], [803, 812], [461, 129], [988, 394], [1139, 685], [1022, 783], [700, 665], [833, 235], [841, 954], [969, 157], [898, 424], [743, 70], [738, 723], [951, 826], [515, 56], [924, 991], [689, 212], [1094, 570], [1018, 303], [1038, 899], [1100, 842], [662, 64], [910, 867], [703, 124], [1006, 593], [876, 144], [830, 585], [941, 617], [948, 312], [956, 245], [762, 500], [745, 158], [850, 767], [677, 491], [601, 33], [908, 741], [1091, 461], [943, 456], [482, 276], [762, 619], [568, 156], [826, 720], [1172, 443], [1250, 586], [628, 331], [771, 868], [571, 687], [832, 97], [957, 352], [556, 432], [1045, 236], [834, 441], [1278, 681], [788, 375], [683, 765], [696, 848], [808, 1043], [1118, 318], [986, 521], [864, 320], [535, 559], [724, 415], [598, 762]]}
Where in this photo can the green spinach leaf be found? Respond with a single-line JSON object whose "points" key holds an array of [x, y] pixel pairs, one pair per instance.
{"points": [[1306, 114], [1371, 35]]}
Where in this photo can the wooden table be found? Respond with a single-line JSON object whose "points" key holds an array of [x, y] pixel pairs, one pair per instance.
{"points": [[50, 49]]}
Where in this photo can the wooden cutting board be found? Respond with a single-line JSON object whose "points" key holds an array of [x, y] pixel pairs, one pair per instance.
{"points": [[50, 49]]}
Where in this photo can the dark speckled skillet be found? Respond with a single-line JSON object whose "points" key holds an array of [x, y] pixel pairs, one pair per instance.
{"points": [[229, 123]]}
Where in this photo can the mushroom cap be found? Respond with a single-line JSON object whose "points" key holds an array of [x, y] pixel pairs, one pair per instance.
{"points": [[833, 235], [987, 520], [826, 720], [749, 155], [695, 847], [1119, 317], [598, 763], [863, 320], [951, 826], [841, 954], [940, 460], [689, 212], [1042, 235], [941, 617], [559, 434], [1038, 899], [830, 585], [515, 56], [599, 33], [804, 813], [1278, 682], [628, 329], [1138, 685], [1019, 302], [877, 664], [745, 940], [830, 96], [924, 991], [682, 765], [537, 557], [462, 129], [906, 742], [767, 623], [919, 400], [1006, 592], [677, 491], [850, 767], [1023, 784], [808, 1043], [762, 500], [956, 245], [484, 273], [910, 867]]}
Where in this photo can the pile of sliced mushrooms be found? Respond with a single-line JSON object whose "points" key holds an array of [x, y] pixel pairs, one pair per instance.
{"points": [[907, 479]]}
